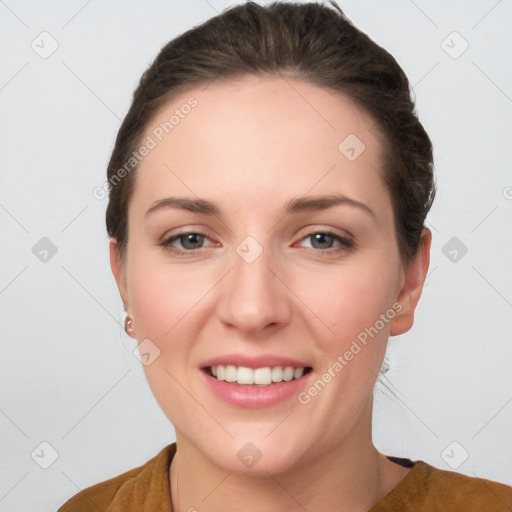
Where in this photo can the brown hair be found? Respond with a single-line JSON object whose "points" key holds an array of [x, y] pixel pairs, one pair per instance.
{"points": [[309, 42]]}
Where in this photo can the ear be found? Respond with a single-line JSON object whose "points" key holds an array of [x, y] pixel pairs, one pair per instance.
{"points": [[414, 277], [118, 271]]}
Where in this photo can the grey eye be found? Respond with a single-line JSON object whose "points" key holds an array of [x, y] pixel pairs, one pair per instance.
{"points": [[324, 240], [191, 240]]}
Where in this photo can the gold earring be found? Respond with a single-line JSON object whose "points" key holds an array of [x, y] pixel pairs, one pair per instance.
{"points": [[128, 324]]}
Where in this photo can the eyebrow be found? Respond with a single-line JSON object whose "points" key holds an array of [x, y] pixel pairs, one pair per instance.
{"points": [[296, 205]]}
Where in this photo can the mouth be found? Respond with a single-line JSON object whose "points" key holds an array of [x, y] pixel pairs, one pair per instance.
{"points": [[255, 377]]}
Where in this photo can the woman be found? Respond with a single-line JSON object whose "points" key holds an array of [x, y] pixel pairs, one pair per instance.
{"points": [[268, 192]]}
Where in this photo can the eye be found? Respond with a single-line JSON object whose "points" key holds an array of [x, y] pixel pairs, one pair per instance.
{"points": [[191, 241], [322, 242]]}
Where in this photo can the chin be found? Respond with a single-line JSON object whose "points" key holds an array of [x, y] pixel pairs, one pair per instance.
{"points": [[256, 457]]}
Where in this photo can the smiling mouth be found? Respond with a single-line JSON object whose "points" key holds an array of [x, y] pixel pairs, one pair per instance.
{"points": [[258, 377]]}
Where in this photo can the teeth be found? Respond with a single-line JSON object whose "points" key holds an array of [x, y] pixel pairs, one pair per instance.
{"points": [[230, 374], [259, 376]]}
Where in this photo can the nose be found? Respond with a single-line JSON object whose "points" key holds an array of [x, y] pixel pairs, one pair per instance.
{"points": [[254, 298]]}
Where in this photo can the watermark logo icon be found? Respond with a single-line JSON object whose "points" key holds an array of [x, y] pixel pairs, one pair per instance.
{"points": [[454, 45], [249, 249], [454, 249], [44, 250], [146, 352], [45, 45], [351, 147], [454, 455], [44, 455], [249, 455]]}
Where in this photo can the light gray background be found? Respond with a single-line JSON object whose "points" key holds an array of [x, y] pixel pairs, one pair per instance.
{"points": [[68, 374]]}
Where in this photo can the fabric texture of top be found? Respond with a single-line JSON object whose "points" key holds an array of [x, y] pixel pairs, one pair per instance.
{"points": [[424, 489]]}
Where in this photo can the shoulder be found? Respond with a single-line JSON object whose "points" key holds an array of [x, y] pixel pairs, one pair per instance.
{"points": [[127, 489], [426, 487], [473, 492]]}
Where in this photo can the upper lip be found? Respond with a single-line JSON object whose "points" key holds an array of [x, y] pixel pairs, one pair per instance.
{"points": [[257, 361]]}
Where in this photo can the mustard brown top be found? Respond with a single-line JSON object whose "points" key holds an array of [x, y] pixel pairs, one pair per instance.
{"points": [[424, 489]]}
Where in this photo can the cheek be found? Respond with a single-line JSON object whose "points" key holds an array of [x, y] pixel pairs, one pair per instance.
{"points": [[162, 296], [171, 304], [165, 300], [349, 299]]}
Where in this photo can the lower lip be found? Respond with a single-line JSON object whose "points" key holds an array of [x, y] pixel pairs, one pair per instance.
{"points": [[253, 397]]}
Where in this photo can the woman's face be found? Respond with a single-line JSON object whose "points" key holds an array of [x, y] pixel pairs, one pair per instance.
{"points": [[268, 277]]}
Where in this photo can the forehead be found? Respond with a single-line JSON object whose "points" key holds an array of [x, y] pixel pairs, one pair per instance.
{"points": [[280, 137]]}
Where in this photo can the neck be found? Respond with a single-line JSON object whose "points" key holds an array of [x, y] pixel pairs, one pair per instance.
{"points": [[349, 476]]}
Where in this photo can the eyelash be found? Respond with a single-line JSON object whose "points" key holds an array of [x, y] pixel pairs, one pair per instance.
{"points": [[346, 243]]}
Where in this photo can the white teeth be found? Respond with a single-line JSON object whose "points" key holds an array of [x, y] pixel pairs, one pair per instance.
{"points": [[298, 373], [277, 374], [259, 376], [288, 373], [262, 376], [230, 374], [245, 375]]}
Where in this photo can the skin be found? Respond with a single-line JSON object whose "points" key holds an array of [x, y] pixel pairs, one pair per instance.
{"points": [[250, 147]]}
